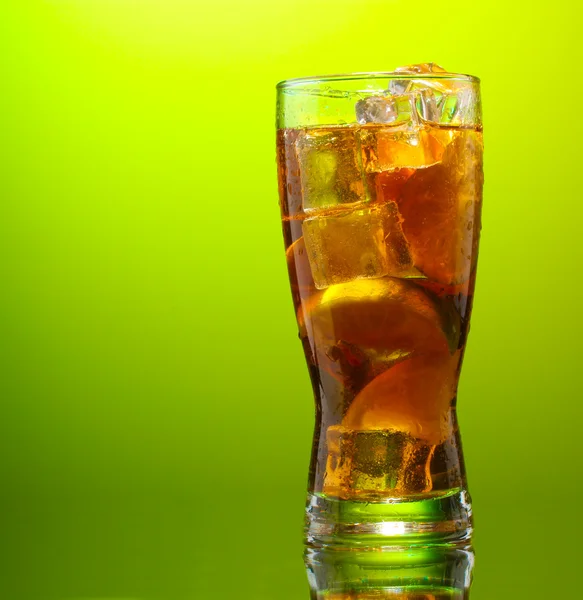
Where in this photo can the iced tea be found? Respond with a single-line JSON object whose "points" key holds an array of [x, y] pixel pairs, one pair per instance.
{"points": [[381, 220]]}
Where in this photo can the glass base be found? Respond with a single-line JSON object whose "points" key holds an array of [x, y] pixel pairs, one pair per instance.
{"points": [[436, 519]]}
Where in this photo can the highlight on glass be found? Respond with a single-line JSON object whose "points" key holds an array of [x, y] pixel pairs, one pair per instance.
{"points": [[380, 183]]}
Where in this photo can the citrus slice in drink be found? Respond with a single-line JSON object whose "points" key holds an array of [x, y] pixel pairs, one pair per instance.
{"points": [[299, 266], [388, 314], [413, 396], [361, 328], [440, 209]]}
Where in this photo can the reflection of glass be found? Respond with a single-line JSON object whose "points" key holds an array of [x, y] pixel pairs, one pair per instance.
{"points": [[405, 573], [380, 183]]}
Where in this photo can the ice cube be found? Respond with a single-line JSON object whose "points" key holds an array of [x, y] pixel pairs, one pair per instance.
{"points": [[376, 109], [386, 149], [430, 105], [454, 103], [447, 101], [373, 463], [346, 245], [413, 396], [399, 257], [398, 111], [330, 165], [399, 87], [366, 243], [403, 86], [461, 107]]}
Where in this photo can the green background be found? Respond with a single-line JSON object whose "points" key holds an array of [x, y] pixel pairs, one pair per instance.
{"points": [[156, 412]]}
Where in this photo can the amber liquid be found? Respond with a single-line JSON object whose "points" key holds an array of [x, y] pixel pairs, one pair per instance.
{"points": [[381, 229]]}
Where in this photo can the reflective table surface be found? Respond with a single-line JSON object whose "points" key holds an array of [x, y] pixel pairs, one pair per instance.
{"points": [[167, 546]]}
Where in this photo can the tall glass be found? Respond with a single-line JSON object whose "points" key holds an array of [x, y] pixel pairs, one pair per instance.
{"points": [[380, 182]]}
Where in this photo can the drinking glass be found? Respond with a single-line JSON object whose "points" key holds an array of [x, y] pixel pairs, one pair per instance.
{"points": [[380, 182]]}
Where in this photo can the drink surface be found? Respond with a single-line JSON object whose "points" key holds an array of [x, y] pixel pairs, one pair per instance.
{"points": [[381, 224]]}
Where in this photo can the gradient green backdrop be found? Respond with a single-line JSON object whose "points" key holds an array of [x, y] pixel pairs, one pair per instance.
{"points": [[155, 408]]}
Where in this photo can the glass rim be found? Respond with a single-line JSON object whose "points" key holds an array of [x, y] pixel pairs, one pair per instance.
{"points": [[294, 81]]}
